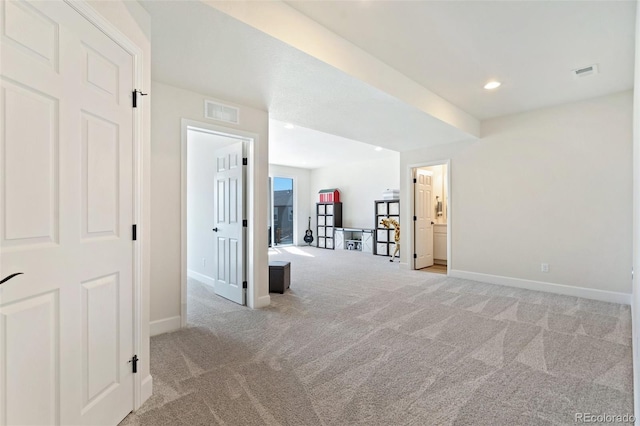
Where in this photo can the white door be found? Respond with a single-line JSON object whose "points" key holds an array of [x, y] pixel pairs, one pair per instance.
{"points": [[423, 237], [66, 201], [228, 231]]}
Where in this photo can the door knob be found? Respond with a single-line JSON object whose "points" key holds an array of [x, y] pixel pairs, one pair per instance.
{"points": [[7, 278], [432, 223], [215, 229]]}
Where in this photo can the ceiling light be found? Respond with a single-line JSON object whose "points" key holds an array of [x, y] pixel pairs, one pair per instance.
{"points": [[378, 148], [492, 85], [288, 126]]}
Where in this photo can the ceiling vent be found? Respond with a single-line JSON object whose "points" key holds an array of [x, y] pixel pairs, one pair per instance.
{"points": [[221, 112], [585, 71]]}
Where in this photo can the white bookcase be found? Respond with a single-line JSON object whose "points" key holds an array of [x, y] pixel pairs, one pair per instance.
{"points": [[354, 239]]}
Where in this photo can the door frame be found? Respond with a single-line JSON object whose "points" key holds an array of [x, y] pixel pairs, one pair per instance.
{"points": [[411, 209], [272, 176], [249, 140], [142, 385]]}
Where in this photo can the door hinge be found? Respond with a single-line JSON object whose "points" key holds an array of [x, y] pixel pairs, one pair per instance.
{"points": [[134, 97], [245, 223], [415, 218], [134, 232], [244, 284], [415, 180], [415, 256], [134, 364], [245, 161]]}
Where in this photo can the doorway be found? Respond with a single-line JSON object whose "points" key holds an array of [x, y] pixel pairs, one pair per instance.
{"points": [[431, 240], [214, 215], [282, 217]]}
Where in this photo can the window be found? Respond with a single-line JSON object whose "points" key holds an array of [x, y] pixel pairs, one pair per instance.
{"points": [[282, 226]]}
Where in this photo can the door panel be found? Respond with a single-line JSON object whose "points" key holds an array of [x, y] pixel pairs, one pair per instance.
{"points": [[100, 179], [29, 328], [100, 316], [423, 238], [30, 166], [367, 242], [66, 195], [229, 232], [32, 31]]}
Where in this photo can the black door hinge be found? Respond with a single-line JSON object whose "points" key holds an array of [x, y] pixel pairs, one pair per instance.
{"points": [[415, 180], [245, 223], [134, 232], [415, 218], [415, 256], [134, 98], [244, 284], [134, 364], [245, 161]]}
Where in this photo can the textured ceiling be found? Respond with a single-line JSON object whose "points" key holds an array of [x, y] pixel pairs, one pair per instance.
{"points": [[454, 47], [199, 48], [310, 149], [447, 48]]}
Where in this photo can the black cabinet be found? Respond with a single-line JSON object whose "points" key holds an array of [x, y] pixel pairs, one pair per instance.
{"points": [[329, 217], [385, 244]]}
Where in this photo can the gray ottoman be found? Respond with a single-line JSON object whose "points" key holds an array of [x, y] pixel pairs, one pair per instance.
{"points": [[279, 276]]}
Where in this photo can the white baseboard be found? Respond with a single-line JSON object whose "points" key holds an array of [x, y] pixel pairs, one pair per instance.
{"points": [[165, 325], [635, 361], [567, 290], [201, 277], [147, 389], [263, 302]]}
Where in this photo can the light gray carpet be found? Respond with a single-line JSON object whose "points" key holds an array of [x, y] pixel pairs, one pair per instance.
{"points": [[358, 341]]}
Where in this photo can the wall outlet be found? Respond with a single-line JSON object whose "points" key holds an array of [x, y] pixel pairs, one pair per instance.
{"points": [[204, 262], [544, 267]]}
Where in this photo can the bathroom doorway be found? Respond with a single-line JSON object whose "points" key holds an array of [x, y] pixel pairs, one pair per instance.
{"points": [[431, 224]]}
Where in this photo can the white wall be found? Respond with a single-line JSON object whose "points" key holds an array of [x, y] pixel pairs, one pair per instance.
{"points": [[551, 185], [168, 106], [360, 184], [201, 173], [135, 23], [301, 197], [635, 303]]}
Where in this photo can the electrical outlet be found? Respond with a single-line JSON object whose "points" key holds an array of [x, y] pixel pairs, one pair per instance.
{"points": [[204, 262], [544, 267]]}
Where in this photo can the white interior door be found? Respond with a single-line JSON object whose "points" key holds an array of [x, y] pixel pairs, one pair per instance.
{"points": [[423, 238], [228, 231], [66, 200]]}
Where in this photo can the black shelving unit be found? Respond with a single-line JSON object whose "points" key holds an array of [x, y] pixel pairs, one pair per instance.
{"points": [[385, 244], [328, 217]]}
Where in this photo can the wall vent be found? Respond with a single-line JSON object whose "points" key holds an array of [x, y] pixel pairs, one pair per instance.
{"points": [[221, 112], [585, 71]]}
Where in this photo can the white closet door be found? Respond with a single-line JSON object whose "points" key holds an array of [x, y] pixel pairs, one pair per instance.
{"points": [[66, 182]]}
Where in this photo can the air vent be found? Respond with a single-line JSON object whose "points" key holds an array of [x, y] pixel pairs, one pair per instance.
{"points": [[585, 71], [221, 112]]}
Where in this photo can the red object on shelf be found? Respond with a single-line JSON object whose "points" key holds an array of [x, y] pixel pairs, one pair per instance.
{"points": [[331, 195]]}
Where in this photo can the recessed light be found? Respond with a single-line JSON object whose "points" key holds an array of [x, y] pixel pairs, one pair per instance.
{"points": [[288, 126], [492, 85], [378, 148]]}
